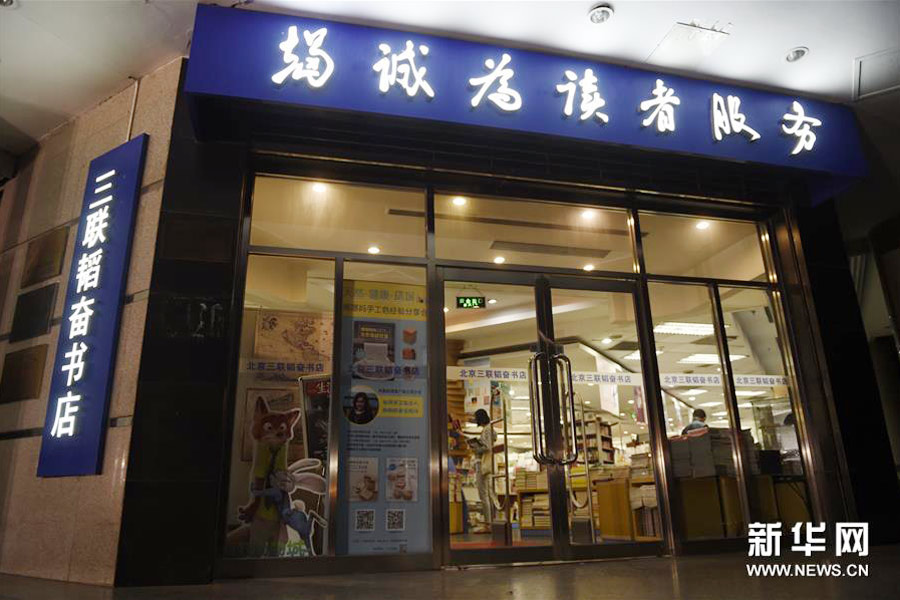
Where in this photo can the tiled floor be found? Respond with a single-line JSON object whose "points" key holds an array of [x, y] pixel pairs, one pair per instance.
{"points": [[694, 577]]}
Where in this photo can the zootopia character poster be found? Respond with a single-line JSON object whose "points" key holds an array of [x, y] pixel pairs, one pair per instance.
{"points": [[384, 505]]}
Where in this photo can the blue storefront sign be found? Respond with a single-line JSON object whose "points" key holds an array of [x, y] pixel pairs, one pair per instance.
{"points": [[316, 63], [75, 425]]}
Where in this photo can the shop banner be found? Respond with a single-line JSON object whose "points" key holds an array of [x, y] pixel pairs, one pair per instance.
{"points": [[384, 505], [631, 379], [317, 63], [75, 425]]}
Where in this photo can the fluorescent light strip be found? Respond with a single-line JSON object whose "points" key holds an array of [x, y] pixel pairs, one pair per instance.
{"points": [[695, 392], [749, 393], [707, 359], [708, 404], [105, 176], [103, 188], [677, 328]]}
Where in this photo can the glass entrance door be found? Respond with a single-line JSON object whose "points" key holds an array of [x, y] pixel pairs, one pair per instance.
{"points": [[549, 441]]}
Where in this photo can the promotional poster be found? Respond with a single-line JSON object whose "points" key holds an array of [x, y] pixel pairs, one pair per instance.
{"points": [[384, 435]]}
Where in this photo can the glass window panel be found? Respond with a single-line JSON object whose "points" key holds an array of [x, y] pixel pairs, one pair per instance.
{"points": [[615, 453], [482, 460], [384, 491], [324, 215], [701, 447], [777, 486], [532, 233], [279, 453], [701, 247]]}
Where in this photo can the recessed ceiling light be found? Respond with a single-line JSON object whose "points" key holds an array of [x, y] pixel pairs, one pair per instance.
{"points": [[588, 267], [446, 309], [587, 401], [695, 391], [601, 13], [749, 393], [374, 250], [606, 341], [625, 432], [702, 225], [708, 404], [492, 301], [499, 260], [636, 355], [319, 187], [588, 215], [692, 398], [795, 54], [631, 402], [459, 201]]}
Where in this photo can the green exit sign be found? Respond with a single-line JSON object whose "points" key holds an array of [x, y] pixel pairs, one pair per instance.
{"points": [[470, 302]]}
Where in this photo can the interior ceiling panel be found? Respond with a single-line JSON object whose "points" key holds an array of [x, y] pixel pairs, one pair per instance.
{"points": [[61, 57]]}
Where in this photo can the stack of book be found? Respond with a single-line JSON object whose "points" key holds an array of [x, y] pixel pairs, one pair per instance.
{"points": [[541, 511]]}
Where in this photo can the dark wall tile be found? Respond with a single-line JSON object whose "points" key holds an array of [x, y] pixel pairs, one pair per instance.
{"points": [[33, 312], [44, 257], [23, 373]]}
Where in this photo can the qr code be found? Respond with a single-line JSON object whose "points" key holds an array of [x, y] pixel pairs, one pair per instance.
{"points": [[365, 520], [395, 519]]}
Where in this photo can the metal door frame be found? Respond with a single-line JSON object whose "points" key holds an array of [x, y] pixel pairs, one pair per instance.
{"points": [[561, 547]]}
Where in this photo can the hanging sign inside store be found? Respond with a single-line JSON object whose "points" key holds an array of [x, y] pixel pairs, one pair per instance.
{"points": [[471, 302], [621, 378], [311, 62], [75, 425]]}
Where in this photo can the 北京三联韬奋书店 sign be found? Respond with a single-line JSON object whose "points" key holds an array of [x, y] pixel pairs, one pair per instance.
{"points": [[75, 425], [317, 63]]}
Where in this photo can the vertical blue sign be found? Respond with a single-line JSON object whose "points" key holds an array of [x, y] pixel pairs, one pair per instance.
{"points": [[75, 426]]}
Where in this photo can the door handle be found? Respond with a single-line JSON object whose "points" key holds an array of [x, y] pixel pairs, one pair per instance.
{"points": [[534, 395], [562, 359]]}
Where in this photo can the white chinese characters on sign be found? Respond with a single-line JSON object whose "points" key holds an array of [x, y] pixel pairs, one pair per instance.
{"points": [[504, 97], [64, 419], [315, 68], [663, 106], [591, 100], [80, 313], [801, 127], [400, 69], [728, 119]]}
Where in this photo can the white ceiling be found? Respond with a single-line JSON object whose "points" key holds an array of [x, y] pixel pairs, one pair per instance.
{"points": [[58, 58]]}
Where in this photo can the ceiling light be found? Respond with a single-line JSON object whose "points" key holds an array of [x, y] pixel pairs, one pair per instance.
{"points": [[601, 13], [745, 405], [606, 341], [625, 432], [749, 393], [720, 413], [678, 328], [499, 260], [7, 3], [492, 301], [587, 401], [795, 54], [691, 398], [459, 201], [446, 310], [702, 225], [631, 402], [588, 215], [696, 391], [636, 355], [588, 267], [708, 404], [319, 187], [590, 385], [374, 249], [707, 359]]}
